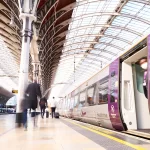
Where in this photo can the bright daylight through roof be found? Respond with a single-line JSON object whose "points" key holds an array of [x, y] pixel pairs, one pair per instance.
{"points": [[99, 31], [9, 67], [97, 35]]}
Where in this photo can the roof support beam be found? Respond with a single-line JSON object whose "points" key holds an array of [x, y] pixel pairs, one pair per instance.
{"points": [[16, 45], [10, 36], [8, 29]]}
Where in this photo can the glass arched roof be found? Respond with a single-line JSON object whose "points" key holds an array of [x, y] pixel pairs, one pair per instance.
{"points": [[99, 32], [9, 67]]}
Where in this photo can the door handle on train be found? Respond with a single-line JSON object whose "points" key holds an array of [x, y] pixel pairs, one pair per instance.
{"points": [[127, 94]]}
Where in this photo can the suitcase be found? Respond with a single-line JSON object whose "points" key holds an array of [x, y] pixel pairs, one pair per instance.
{"points": [[47, 114], [56, 115]]}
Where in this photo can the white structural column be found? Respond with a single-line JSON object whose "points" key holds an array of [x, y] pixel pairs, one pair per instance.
{"points": [[27, 14]]}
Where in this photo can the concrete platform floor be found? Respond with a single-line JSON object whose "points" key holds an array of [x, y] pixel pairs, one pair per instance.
{"points": [[54, 134]]}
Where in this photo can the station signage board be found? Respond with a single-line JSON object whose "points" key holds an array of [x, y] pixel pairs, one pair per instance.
{"points": [[15, 91]]}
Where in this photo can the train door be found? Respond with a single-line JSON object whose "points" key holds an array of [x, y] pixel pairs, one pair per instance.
{"points": [[141, 94], [127, 96], [114, 96], [134, 98]]}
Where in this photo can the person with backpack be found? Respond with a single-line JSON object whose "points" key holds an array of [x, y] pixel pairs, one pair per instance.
{"points": [[43, 105]]}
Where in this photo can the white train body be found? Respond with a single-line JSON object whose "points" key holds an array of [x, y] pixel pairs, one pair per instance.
{"points": [[114, 97]]}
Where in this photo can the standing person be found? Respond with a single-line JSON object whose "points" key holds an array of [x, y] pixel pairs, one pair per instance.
{"points": [[33, 91], [144, 65], [53, 106], [43, 105]]}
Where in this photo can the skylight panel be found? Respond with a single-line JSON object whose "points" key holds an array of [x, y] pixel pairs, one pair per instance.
{"points": [[80, 32], [92, 7], [136, 39], [118, 43], [96, 30], [86, 45], [79, 11], [147, 31], [100, 6], [101, 59], [93, 19], [112, 49], [87, 31], [127, 35], [102, 19], [75, 24], [132, 8], [145, 14], [90, 38], [86, 21], [105, 39], [100, 46], [11, 69], [95, 51], [137, 26], [78, 39], [91, 56], [121, 21], [113, 31]]}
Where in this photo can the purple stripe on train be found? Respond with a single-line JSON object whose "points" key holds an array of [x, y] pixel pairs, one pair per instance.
{"points": [[148, 45], [113, 96]]}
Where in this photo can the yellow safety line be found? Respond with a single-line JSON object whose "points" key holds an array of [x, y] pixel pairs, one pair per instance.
{"points": [[109, 136]]}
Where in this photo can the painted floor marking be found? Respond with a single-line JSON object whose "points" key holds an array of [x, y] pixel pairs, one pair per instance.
{"points": [[109, 136], [107, 131]]}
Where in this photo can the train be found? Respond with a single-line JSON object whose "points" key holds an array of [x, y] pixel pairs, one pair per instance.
{"points": [[118, 96]]}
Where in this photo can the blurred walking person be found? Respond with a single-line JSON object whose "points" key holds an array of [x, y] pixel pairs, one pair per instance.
{"points": [[25, 109], [53, 106], [33, 92], [43, 105]]}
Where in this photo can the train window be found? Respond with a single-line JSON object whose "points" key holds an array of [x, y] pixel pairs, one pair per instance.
{"points": [[82, 99], [139, 78], [71, 103], [65, 103], [103, 90], [68, 103], [76, 100], [90, 97]]}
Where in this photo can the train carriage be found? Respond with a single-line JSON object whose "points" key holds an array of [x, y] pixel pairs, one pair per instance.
{"points": [[118, 97]]}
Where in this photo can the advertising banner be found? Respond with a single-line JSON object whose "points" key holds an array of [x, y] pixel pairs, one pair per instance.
{"points": [[113, 96]]}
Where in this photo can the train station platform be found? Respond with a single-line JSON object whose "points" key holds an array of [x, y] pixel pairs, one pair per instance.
{"points": [[64, 134]]}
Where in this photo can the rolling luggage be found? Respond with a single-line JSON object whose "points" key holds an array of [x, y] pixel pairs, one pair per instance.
{"points": [[56, 115], [47, 114]]}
